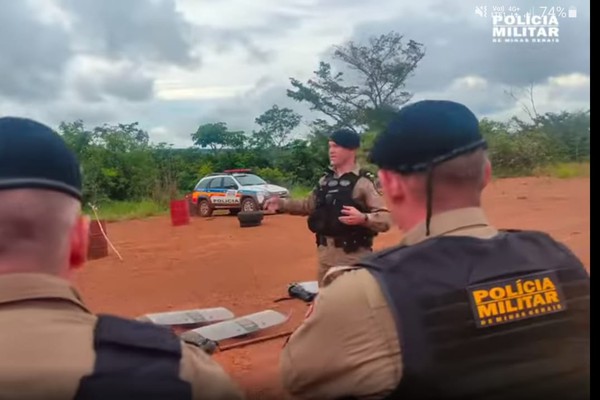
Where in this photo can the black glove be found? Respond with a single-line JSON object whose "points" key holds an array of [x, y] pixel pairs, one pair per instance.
{"points": [[297, 291]]}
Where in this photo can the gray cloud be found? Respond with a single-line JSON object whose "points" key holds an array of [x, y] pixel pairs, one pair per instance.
{"points": [[278, 23], [228, 40], [137, 30], [124, 82], [33, 54]]}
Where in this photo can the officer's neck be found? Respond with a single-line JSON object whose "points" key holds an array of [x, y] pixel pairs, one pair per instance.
{"points": [[11, 264], [344, 168]]}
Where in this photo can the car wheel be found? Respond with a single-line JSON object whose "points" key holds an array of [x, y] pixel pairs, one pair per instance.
{"points": [[249, 205], [204, 208], [250, 218]]}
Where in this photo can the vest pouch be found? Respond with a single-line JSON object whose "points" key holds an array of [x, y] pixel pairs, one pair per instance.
{"points": [[317, 221]]}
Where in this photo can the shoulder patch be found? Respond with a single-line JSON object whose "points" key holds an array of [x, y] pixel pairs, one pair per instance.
{"points": [[515, 299]]}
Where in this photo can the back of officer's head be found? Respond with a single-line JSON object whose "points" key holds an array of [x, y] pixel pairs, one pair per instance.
{"points": [[431, 133], [41, 227]]}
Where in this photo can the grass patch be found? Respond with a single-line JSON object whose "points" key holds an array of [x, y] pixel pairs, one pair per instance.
{"points": [[565, 170], [123, 210]]}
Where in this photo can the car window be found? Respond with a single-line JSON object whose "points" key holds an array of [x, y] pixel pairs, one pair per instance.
{"points": [[215, 183], [229, 183], [250, 179], [203, 184]]}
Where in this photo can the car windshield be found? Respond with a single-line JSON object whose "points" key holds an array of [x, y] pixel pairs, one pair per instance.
{"points": [[249, 179]]}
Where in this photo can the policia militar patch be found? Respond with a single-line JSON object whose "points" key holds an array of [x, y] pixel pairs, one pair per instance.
{"points": [[522, 297]]}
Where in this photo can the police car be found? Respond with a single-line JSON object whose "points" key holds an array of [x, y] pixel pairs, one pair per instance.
{"points": [[234, 190]]}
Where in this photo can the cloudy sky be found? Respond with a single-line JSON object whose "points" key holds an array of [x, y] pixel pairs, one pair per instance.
{"points": [[174, 64]]}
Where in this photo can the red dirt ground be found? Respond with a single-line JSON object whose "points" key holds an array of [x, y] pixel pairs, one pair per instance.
{"points": [[209, 263]]}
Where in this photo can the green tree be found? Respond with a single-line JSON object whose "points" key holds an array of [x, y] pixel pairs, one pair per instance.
{"points": [[217, 136], [571, 132], [381, 68], [276, 126]]}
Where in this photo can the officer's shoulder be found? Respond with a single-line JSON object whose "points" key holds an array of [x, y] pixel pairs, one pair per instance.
{"points": [[345, 273], [371, 177], [335, 272], [365, 173], [390, 252]]}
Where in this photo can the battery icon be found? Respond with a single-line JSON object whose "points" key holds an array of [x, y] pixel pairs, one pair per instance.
{"points": [[572, 12]]}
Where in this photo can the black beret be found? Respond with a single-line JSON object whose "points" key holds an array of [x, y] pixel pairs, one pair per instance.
{"points": [[32, 155], [426, 133], [346, 138]]}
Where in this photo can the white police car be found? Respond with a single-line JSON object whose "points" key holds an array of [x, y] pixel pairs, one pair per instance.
{"points": [[234, 190]]}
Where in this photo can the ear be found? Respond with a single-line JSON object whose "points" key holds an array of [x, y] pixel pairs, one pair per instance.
{"points": [[79, 242], [391, 184], [487, 173]]}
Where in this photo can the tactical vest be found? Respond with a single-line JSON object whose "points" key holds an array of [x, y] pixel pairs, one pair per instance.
{"points": [[503, 318], [134, 360], [332, 194]]}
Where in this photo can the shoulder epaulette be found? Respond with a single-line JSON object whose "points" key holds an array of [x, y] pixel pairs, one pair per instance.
{"points": [[367, 174]]}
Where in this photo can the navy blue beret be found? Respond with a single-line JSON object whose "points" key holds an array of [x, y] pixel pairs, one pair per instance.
{"points": [[424, 134], [33, 156], [346, 138]]}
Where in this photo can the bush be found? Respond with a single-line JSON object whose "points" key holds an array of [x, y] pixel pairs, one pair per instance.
{"points": [[274, 176], [565, 170]]}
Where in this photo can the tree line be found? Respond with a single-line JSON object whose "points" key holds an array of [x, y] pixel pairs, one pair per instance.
{"points": [[360, 92]]}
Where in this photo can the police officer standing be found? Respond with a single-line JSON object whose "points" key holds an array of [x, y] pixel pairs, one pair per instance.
{"points": [[458, 310], [51, 345], [345, 211]]}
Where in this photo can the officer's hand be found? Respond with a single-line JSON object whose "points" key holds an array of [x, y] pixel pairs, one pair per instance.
{"points": [[352, 216], [271, 204]]}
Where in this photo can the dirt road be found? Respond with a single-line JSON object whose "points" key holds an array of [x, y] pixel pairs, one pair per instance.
{"points": [[213, 262]]}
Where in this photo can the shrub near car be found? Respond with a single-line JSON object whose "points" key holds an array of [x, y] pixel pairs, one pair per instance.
{"points": [[234, 190]]}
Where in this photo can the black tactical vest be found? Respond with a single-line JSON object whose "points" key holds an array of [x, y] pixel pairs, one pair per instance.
{"points": [[504, 318], [331, 196], [134, 360]]}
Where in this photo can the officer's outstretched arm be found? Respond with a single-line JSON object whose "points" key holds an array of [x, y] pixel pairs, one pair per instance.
{"points": [[208, 379], [298, 207], [346, 345]]}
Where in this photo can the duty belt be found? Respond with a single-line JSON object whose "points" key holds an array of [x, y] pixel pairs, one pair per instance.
{"points": [[348, 243]]}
